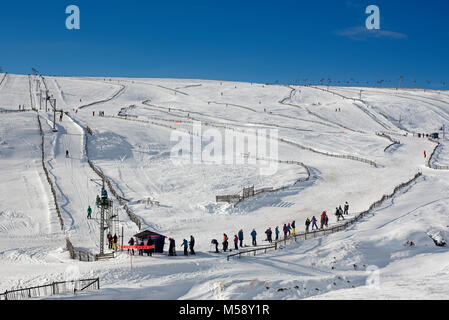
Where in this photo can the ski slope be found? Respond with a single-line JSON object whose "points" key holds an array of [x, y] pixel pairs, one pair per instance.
{"points": [[136, 153]]}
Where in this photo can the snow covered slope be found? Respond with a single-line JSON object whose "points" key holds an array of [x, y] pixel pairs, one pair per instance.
{"points": [[333, 136]]}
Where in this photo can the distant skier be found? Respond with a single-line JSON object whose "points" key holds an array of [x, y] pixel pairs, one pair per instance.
{"points": [[131, 243], [115, 240], [192, 245], [425, 154], [269, 235], [293, 227], [285, 229], [253, 235], [276, 232], [171, 248], [185, 244], [67, 153], [339, 214], [236, 242], [314, 221], [241, 237], [110, 240], [323, 220], [346, 212], [141, 244], [215, 242], [225, 242], [307, 224], [150, 242], [289, 228], [60, 117], [89, 213], [104, 196]]}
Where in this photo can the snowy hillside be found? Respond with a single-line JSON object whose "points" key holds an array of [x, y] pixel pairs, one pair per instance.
{"points": [[333, 135]]}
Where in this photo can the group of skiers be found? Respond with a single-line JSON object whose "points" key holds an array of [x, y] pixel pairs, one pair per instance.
{"points": [[238, 240], [112, 240], [324, 221], [186, 244], [149, 243]]}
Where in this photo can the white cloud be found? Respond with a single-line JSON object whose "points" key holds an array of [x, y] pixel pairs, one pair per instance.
{"points": [[362, 33]]}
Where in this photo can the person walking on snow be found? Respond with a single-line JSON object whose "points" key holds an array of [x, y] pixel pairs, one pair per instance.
{"points": [[241, 238], [89, 212], [110, 240], [236, 242], [293, 227], [276, 231], [131, 243], [425, 154], [171, 249], [285, 229], [314, 223], [269, 233], [339, 214], [289, 228], [141, 244], [215, 242], [150, 243], [307, 224], [192, 244], [67, 153], [253, 235], [185, 245], [346, 212], [323, 220], [225, 242], [114, 239]]}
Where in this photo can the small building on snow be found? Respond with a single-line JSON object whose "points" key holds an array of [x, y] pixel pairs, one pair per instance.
{"points": [[159, 239]]}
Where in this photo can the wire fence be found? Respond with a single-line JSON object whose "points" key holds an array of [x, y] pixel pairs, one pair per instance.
{"points": [[302, 236], [55, 288]]}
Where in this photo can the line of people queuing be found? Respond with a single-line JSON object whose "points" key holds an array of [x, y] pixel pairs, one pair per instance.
{"points": [[288, 229]]}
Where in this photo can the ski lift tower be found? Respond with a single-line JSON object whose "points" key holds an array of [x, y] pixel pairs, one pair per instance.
{"points": [[105, 205], [53, 105]]}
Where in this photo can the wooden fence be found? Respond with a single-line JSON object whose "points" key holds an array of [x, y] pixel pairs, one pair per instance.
{"points": [[121, 200], [394, 142], [50, 182], [435, 166], [302, 236], [3, 79], [51, 289]]}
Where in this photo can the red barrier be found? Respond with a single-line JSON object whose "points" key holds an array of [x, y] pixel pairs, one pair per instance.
{"points": [[137, 247]]}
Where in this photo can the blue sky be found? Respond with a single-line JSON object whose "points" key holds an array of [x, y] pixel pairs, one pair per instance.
{"points": [[260, 41]]}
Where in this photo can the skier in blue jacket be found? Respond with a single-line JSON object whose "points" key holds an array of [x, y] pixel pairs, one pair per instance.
{"points": [[253, 235], [185, 244]]}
